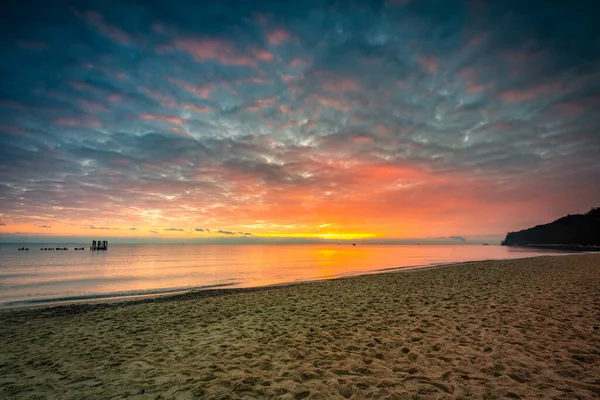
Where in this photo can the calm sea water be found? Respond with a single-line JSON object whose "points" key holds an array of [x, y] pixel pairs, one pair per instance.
{"points": [[34, 276]]}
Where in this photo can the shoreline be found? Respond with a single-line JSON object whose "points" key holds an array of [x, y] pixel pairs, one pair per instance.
{"points": [[518, 328], [216, 291]]}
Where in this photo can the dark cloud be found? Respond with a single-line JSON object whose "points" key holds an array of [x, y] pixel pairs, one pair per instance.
{"points": [[201, 230], [460, 238], [99, 227], [226, 232], [154, 232], [133, 229], [175, 229], [44, 226]]}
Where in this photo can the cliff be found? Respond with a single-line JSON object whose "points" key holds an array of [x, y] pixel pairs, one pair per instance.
{"points": [[579, 229]]}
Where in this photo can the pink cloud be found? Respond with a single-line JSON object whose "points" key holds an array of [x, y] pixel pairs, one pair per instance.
{"points": [[178, 131], [277, 37], [198, 109], [164, 100], [516, 96], [115, 97], [477, 39], [200, 91], [570, 108], [261, 54], [362, 139], [285, 110], [213, 50], [471, 76], [330, 102], [96, 20], [81, 85], [381, 129], [259, 104], [430, 63], [299, 62], [166, 118], [93, 106], [86, 121], [475, 88], [346, 85], [255, 80]]}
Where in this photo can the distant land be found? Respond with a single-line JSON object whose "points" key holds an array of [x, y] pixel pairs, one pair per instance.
{"points": [[570, 231]]}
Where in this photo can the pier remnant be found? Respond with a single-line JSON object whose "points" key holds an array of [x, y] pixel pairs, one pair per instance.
{"points": [[99, 245]]}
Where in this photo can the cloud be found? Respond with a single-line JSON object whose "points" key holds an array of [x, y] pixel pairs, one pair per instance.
{"points": [[277, 37], [99, 227], [166, 118], [154, 232], [222, 52], [174, 230], [44, 226], [369, 118], [96, 20], [201, 230], [460, 238], [226, 232], [133, 229]]}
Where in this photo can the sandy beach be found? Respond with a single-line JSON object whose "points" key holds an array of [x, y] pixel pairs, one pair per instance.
{"points": [[512, 329]]}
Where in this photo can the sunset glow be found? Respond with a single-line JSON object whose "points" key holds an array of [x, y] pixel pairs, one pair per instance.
{"points": [[364, 120]]}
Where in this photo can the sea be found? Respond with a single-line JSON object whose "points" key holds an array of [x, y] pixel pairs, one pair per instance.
{"points": [[126, 270]]}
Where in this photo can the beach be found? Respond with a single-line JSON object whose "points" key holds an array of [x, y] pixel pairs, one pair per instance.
{"points": [[525, 328]]}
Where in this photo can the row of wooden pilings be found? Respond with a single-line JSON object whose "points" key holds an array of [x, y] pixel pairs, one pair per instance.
{"points": [[100, 245]]}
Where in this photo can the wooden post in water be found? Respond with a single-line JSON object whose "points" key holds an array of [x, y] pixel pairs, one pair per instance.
{"points": [[99, 245]]}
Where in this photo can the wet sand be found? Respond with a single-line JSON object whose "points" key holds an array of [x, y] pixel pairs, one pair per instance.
{"points": [[512, 329]]}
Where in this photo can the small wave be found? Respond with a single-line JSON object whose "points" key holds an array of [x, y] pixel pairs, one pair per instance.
{"points": [[114, 295]]}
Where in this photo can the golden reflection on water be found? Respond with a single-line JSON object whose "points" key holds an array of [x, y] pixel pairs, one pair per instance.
{"points": [[136, 269]]}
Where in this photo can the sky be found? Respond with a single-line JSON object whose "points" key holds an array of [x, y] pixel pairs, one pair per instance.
{"points": [[266, 120]]}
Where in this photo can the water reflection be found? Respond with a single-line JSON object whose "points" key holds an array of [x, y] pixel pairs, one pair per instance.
{"points": [[138, 269]]}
